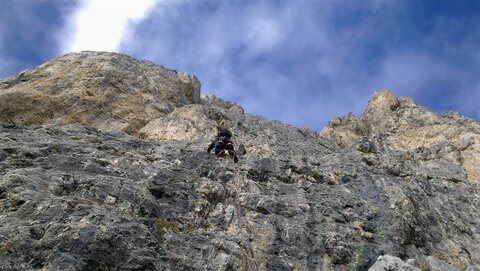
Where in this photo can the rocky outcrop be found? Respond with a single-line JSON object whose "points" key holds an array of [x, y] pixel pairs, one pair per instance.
{"points": [[195, 121], [430, 263], [103, 90], [391, 263], [412, 128], [74, 197]]}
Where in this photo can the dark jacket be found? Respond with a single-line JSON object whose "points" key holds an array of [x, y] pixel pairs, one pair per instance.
{"points": [[222, 144]]}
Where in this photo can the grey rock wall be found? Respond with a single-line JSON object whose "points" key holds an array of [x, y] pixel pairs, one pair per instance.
{"points": [[409, 127], [82, 198], [109, 91]]}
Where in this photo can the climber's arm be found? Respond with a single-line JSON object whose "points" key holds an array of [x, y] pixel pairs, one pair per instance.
{"points": [[211, 147]]}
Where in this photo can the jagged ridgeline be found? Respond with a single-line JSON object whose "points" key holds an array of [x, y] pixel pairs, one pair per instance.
{"points": [[103, 166]]}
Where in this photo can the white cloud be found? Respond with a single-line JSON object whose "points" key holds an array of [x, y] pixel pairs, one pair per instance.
{"points": [[246, 53], [469, 101], [3, 65], [100, 25], [289, 60], [7, 62], [262, 34], [409, 73]]}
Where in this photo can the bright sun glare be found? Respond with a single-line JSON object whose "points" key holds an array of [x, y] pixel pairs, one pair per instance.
{"points": [[100, 25]]}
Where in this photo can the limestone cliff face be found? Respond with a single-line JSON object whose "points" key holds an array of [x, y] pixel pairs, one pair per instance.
{"points": [[78, 193], [412, 128], [103, 90]]}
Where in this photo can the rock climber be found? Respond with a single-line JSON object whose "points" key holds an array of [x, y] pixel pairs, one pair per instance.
{"points": [[223, 144]]}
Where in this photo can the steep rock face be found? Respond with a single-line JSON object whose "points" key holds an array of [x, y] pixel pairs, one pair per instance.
{"points": [[195, 121], [409, 127], [392, 263], [104, 90], [79, 198]]}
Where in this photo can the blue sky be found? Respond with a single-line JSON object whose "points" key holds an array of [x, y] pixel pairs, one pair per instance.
{"points": [[298, 61]]}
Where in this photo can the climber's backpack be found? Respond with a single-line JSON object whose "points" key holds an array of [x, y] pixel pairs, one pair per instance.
{"points": [[224, 133], [223, 140], [223, 137]]}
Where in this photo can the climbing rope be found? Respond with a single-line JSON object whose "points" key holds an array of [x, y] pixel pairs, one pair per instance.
{"points": [[240, 226]]}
